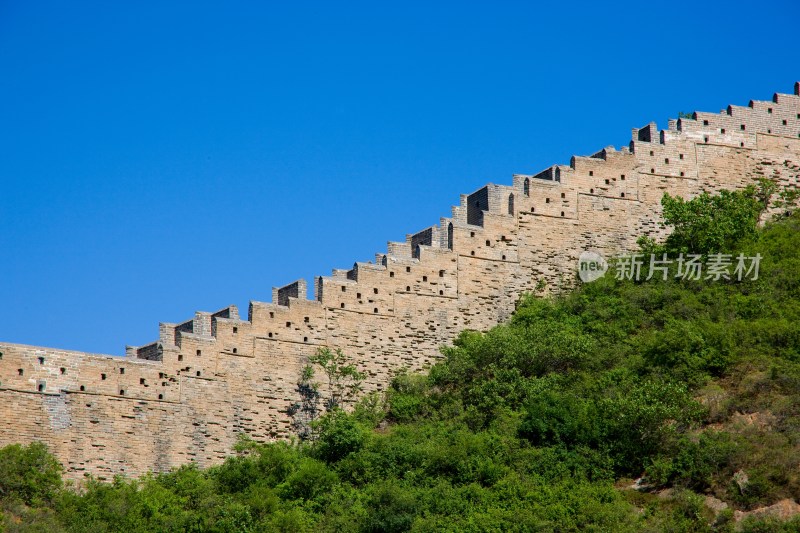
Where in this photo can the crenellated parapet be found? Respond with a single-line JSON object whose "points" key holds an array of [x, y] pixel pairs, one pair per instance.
{"points": [[186, 396]]}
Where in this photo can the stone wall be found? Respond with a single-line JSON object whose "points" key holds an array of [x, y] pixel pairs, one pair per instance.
{"points": [[186, 396]]}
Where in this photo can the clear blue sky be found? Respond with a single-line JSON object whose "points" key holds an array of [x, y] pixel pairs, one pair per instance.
{"points": [[158, 158]]}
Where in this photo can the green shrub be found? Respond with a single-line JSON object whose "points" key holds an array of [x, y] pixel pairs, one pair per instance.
{"points": [[697, 463], [29, 473], [560, 418], [310, 480], [391, 508], [710, 223], [340, 435]]}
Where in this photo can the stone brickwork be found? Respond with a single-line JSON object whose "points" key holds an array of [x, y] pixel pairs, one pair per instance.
{"points": [[186, 396]]}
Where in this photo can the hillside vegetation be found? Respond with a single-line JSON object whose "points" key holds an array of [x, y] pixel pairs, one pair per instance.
{"points": [[621, 406]]}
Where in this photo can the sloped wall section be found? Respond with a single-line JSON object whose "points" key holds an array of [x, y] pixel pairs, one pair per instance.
{"points": [[186, 396]]}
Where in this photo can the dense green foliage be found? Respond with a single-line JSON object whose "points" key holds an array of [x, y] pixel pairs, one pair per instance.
{"points": [[715, 223], [29, 474], [711, 223], [541, 423]]}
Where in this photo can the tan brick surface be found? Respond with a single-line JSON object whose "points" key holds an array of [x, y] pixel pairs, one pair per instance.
{"points": [[186, 396]]}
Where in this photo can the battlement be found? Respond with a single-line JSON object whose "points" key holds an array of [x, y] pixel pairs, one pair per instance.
{"points": [[186, 396], [426, 237], [297, 290]]}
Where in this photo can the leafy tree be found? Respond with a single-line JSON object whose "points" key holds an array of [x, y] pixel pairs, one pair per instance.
{"points": [[560, 418], [307, 410], [787, 199], [340, 435], [646, 419], [309, 480], [29, 473], [392, 509], [710, 223], [344, 379], [344, 383]]}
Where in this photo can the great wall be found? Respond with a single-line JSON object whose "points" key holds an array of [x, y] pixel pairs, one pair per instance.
{"points": [[186, 396]]}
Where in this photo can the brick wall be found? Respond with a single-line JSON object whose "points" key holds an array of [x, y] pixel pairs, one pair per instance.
{"points": [[186, 396]]}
